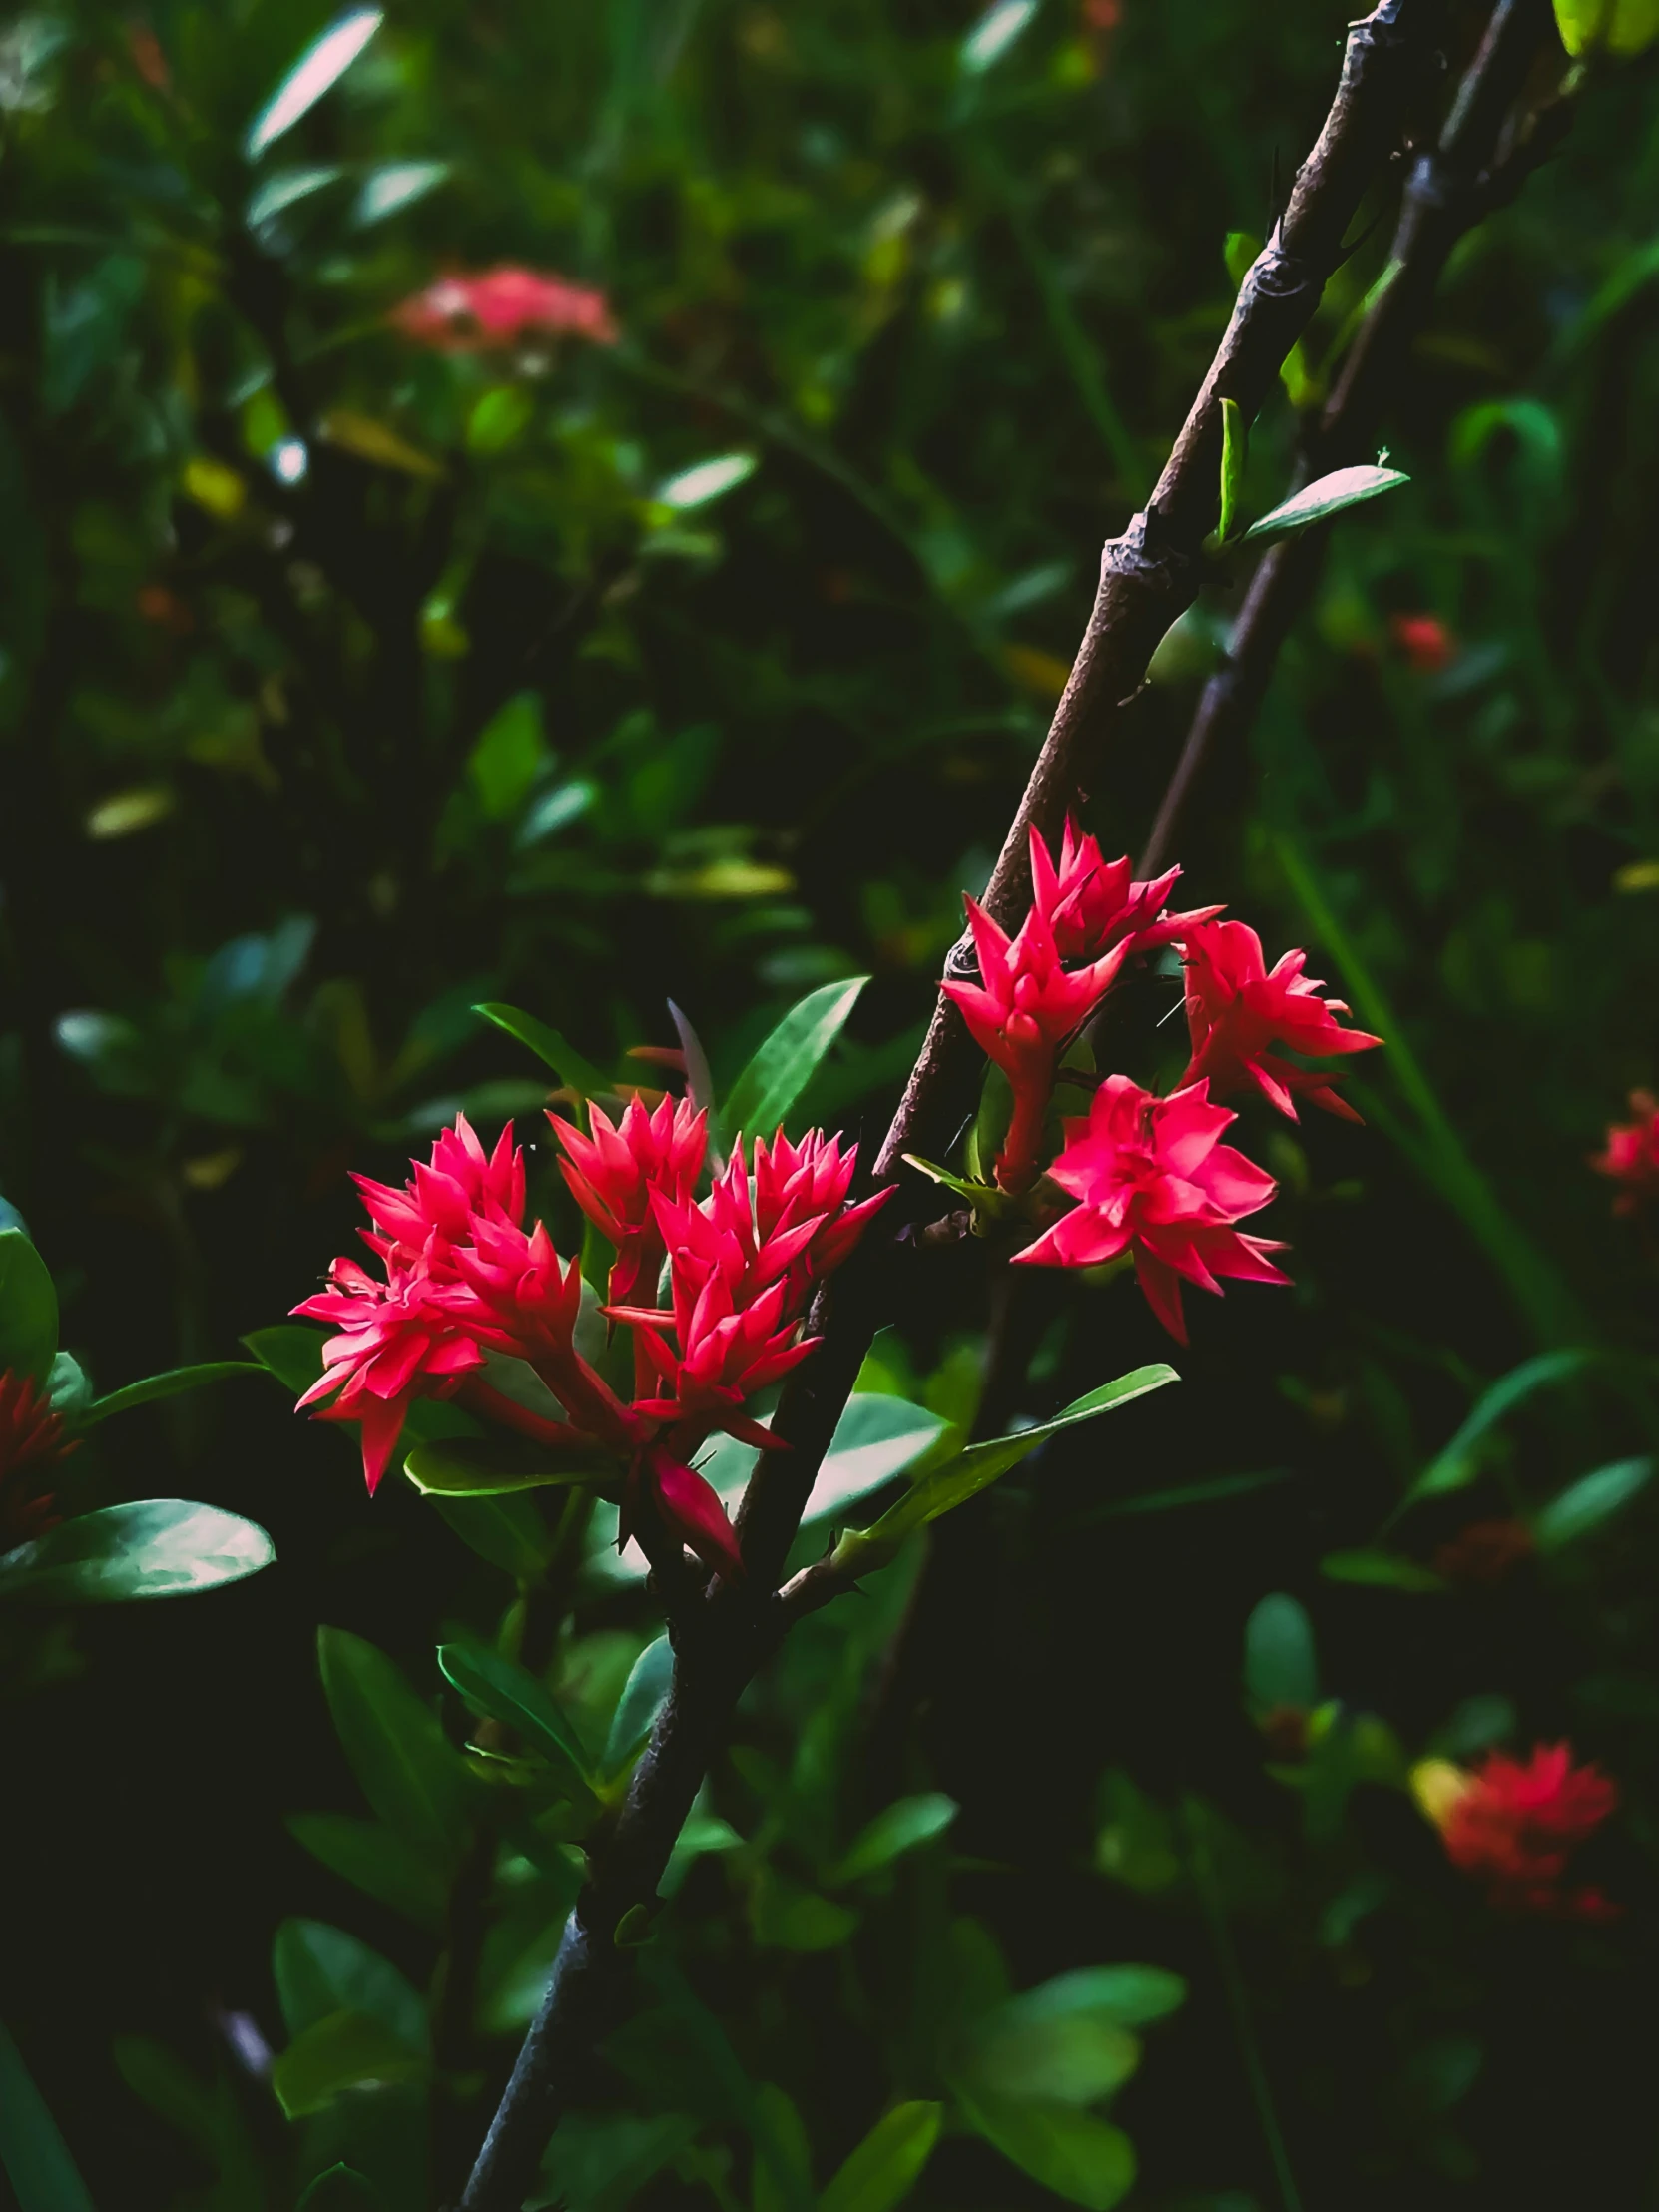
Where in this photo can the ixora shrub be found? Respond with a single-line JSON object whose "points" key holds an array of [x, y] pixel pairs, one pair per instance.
{"points": [[528, 1393]]}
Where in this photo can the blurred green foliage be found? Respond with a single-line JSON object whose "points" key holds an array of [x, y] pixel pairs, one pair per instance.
{"points": [[350, 682]]}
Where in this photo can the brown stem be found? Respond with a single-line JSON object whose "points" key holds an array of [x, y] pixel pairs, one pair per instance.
{"points": [[1148, 577], [1470, 172]]}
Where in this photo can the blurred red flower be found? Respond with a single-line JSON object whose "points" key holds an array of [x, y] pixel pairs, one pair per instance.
{"points": [[1426, 642], [500, 307], [1632, 1154], [1513, 1826], [1486, 1552]]}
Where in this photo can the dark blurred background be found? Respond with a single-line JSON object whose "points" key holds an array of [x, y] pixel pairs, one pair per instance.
{"points": [[354, 672]]}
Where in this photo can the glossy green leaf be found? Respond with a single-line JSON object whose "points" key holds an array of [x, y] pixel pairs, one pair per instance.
{"points": [[875, 1441], [319, 1970], [782, 2168], [882, 2170], [995, 35], [1459, 1463], [641, 1701], [498, 1466], [1384, 1569], [978, 1465], [705, 480], [1620, 26], [786, 1062], [1083, 2159], [319, 66], [1319, 501], [1280, 1664], [28, 1309], [377, 1860], [154, 1547], [901, 1827], [290, 1351], [172, 1383], [507, 1531], [1235, 451], [347, 2050], [548, 1046], [286, 188], [1589, 1502], [393, 186], [501, 1690], [409, 1772], [43, 2177]]}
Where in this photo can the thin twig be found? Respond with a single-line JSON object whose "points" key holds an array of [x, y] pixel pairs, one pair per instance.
{"points": [[1149, 576], [1479, 164]]}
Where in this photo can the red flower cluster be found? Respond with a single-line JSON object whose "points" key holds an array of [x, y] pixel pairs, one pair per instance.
{"points": [[1514, 1825], [1631, 1156], [31, 1440], [1150, 1179], [465, 1281], [502, 306]]}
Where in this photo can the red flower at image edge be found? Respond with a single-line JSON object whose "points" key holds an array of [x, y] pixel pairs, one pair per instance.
{"points": [[1514, 1825], [500, 307], [1631, 1155], [1152, 1180], [1237, 1009], [32, 1439]]}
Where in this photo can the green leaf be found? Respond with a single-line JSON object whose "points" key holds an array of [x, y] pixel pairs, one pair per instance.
{"points": [[705, 480], [1130, 1996], [347, 2050], [783, 2171], [994, 34], [154, 1547], [319, 1970], [1048, 2049], [901, 1827], [320, 66], [172, 1383], [36, 2158], [978, 1466], [498, 1466], [785, 1917], [600, 2162], [982, 1197], [1459, 1463], [1586, 1503], [507, 1531], [69, 1387], [286, 188], [338, 2185], [887, 2164], [1384, 1569], [502, 1690], [1319, 501], [28, 1309], [1281, 1665], [393, 186], [1622, 26], [642, 1699], [377, 1860], [1235, 451], [1085, 2161], [291, 1352], [410, 1774], [876, 1440], [786, 1061], [566, 1062]]}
